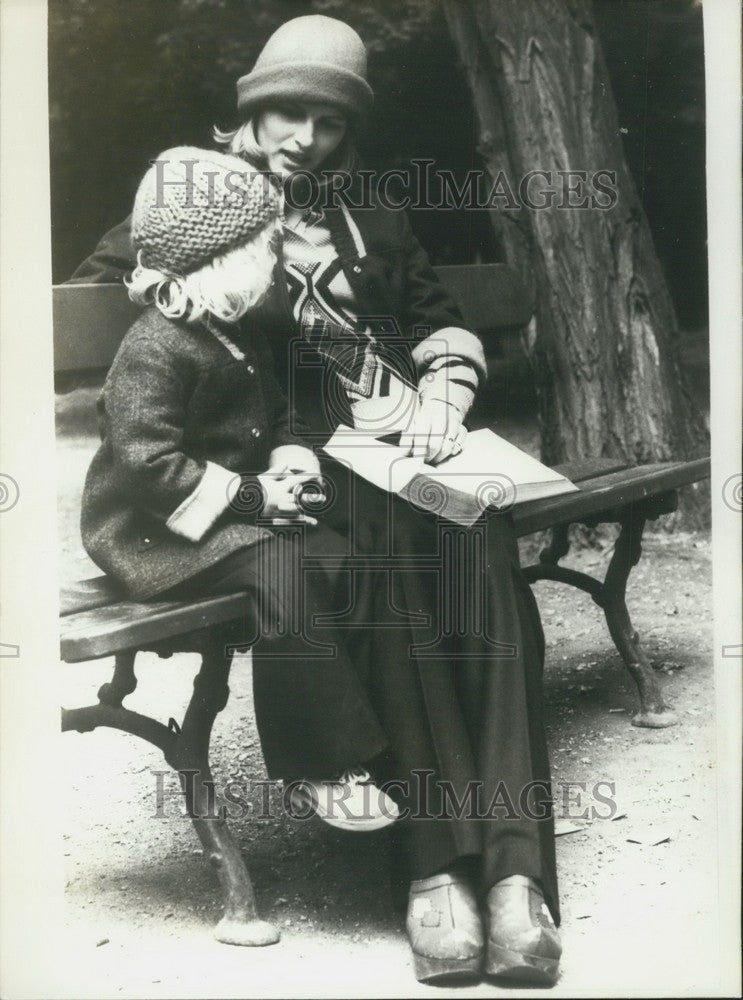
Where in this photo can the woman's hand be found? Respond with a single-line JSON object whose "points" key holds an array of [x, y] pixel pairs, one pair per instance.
{"points": [[282, 490], [436, 432]]}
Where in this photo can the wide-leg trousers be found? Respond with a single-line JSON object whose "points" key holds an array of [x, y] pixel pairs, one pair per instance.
{"points": [[455, 655], [437, 659]]}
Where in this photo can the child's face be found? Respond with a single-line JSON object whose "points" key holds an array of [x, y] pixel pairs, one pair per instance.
{"points": [[299, 136]]}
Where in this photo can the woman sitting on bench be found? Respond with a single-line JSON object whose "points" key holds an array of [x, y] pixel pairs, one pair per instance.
{"points": [[359, 325]]}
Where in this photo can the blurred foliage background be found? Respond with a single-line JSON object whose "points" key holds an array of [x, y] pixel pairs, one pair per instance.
{"points": [[127, 80]]}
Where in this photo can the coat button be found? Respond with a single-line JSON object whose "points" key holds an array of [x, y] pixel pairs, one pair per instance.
{"points": [[251, 370], [356, 269], [256, 432]]}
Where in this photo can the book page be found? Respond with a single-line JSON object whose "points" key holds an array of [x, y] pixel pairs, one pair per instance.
{"points": [[485, 452], [489, 467], [382, 464]]}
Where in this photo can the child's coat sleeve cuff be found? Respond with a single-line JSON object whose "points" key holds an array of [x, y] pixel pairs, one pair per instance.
{"points": [[198, 512]]}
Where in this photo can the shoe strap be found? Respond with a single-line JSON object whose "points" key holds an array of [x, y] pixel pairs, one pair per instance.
{"points": [[437, 881], [521, 880]]}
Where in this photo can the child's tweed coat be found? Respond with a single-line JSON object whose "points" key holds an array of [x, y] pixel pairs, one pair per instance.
{"points": [[181, 418]]}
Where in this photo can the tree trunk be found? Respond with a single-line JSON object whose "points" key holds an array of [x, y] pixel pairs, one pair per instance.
{"points": [[604, 341]]}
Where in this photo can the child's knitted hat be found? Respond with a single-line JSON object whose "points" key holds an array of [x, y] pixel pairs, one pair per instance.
{"points": [[194, 204], [311, 58]]}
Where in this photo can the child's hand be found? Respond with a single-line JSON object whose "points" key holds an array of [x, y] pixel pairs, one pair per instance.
{"points": [[281, 495]]}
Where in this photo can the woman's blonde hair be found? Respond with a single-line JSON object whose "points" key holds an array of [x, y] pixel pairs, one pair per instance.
{"points": [[242, 142], [225, 288]]}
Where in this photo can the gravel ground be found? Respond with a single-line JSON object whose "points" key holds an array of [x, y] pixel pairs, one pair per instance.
{"points": [[638, 890]]}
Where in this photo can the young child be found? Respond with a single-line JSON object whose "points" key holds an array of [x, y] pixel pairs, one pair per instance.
{"points": [[194, 489]]}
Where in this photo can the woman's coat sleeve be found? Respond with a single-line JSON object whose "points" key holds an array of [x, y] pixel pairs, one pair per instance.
{"points": [[112, 260]]}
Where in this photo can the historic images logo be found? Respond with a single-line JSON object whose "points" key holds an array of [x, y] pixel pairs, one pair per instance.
{"points": [[421, 798], [421, 187], [418, 187]]}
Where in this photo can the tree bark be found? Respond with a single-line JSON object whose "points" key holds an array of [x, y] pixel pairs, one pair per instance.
{"points": [[604, 343]]}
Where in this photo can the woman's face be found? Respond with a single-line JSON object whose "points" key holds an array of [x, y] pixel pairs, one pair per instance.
{"points": [[299, 135]]}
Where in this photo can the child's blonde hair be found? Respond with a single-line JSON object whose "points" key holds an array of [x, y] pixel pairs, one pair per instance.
{"points": [[225, 288]]}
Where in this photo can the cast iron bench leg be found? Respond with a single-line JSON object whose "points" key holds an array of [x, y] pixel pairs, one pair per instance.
{"points": [[123, 682], [240, 923], [187, 751], [610, 597], [654, 713]]}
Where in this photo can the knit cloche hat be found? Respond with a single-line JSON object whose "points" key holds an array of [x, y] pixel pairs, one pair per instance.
{"points": [[312, 58], [194, 204]]}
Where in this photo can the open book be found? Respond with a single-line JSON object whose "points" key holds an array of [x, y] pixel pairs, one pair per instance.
{"points": [[489, 472]]}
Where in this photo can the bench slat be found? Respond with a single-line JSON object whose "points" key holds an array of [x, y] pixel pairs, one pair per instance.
{"points": [[489, 295], [84, 595], [103, 631], [589, 468], [90, 320], [89, 324], [606, 493]]}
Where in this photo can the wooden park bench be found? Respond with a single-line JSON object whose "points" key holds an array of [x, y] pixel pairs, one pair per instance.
{"points": [[98, 621]]}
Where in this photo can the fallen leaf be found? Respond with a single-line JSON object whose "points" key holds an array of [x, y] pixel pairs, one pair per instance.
{"points": [[649, 837], [565, 826]]}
